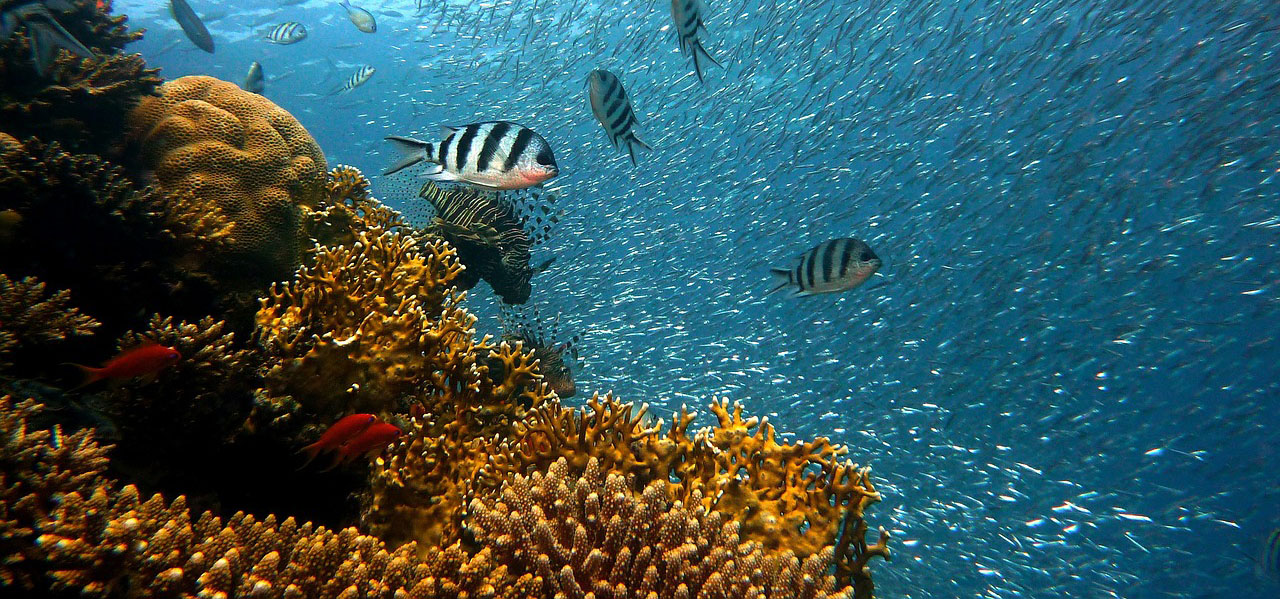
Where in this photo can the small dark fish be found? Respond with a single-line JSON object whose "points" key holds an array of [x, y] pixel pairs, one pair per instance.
{"points": [[687, 15], [361, 18], [612, 107], [289, 32], [191, 25], [357, 79], [542, 336], [253, 80], [492, 155], [832, 266], [46, 34]]}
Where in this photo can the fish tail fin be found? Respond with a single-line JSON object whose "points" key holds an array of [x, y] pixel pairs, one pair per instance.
{"points": [[631, 143], [91, 375], [781, 277], [412, 151], [47, 35], [312, 451], [344, 4], [697, 68], [631, 151]]}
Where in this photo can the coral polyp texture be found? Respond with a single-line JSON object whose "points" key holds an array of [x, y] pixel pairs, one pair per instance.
{"points": [[786, 496], [66, 526], [239, 152], [31, 315], [595, 534], [79, 101], [346, 209]]}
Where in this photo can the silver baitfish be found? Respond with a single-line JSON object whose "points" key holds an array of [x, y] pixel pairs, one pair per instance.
{"points": [[289, 32], [45, 33], [687, 15], [361, 18], [493, 155], [355, 80], [612, 107], [836, 265], [253, 80], [191, 25]]}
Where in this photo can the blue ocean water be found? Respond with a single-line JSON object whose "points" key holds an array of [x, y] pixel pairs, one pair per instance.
{"points": [[1066, 382]]}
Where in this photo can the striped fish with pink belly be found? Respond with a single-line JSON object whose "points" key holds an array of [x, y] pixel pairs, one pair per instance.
{"points": [[490, 155], [831, 266]]}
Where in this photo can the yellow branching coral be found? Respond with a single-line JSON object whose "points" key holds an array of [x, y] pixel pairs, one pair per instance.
{"points": [[786, 496], [63, 520], [594, 534], [240, 152], [347, 209], [31, 315]]}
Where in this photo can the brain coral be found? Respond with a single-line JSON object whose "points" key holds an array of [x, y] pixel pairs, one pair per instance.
{"points": [[242, 153]]}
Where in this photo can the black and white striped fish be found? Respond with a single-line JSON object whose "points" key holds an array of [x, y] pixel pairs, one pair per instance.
{"points": [[836, 265], [687, 15], [289, 32], [355, 80], [492, 155], [612, 108]]}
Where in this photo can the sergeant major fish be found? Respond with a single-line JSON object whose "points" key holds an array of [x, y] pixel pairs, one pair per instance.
{"points": [[687, 15], [289, 32], [831, 266], [492, 155], [191, 25], [612, 107], [253, 80], [361, 18], [355, 80]]}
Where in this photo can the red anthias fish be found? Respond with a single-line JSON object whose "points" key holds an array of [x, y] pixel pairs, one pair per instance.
{"points": [[342, 431], [139, 361], [352, 436]]}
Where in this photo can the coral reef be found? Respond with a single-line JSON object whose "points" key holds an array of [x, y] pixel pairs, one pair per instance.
{"points": [[528, 327], [30, 316], [79, 101], [786, 496], [593, 533], [346, 209], [123, 253], [243, 154], [64, 525]]}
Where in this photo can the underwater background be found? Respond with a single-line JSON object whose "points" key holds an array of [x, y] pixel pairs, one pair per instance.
{"points": [[1065, 383]]}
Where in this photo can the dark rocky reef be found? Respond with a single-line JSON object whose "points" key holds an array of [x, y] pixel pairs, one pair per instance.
{"points": [[77, 101]]}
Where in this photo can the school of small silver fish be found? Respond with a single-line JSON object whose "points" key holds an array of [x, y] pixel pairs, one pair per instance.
{"points": [[1063, 373]]}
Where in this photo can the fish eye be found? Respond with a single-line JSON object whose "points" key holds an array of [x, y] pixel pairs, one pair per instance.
{"points": [[545, 158], [173, 355], [866, 256]]}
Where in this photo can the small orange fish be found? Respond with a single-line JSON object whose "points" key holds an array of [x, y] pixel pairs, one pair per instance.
{"points": [[147, 359], [341, 432]]}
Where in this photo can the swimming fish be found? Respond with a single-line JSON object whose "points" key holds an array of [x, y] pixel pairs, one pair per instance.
{"points": [[146, 359], [612, 107], [836, 265], [355, 80], [1268, 564], [46, 34], [191, 25], [361, 18], [687, 15], [289, 32], [342, 431], [371, 440], [253, 81], [493, 155], [543, 337]]}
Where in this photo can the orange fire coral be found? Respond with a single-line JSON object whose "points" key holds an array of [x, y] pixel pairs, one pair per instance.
{"points": [[240, 152], [68, 526], [346, 209], [737, 467], [595, 534]]}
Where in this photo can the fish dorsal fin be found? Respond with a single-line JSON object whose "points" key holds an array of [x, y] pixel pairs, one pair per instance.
{"points": [[446, 131]]}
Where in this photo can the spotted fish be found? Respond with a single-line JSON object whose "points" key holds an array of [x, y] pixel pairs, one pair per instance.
{"points": [[687, 15], [836, 265], [491, 155], [289, 32], [612, 108]]}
